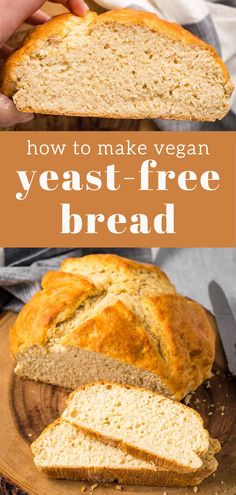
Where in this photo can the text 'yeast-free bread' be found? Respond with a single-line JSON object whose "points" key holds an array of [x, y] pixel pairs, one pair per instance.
{"points": [[121, 64], [104, 317], [142, 423], [65, 451]]}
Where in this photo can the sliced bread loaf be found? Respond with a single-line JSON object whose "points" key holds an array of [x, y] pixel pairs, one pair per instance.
{"points": [[64, 451], [121, 64], [103, 317], [142, 423]]}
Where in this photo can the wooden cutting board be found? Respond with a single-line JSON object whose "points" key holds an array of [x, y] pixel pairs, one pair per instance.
{"points": [[27, 407]]}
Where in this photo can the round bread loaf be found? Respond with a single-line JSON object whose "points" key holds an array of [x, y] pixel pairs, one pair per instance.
{"points": [[103, 317]]}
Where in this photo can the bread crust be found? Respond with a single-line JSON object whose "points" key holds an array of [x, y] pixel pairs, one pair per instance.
{"points": [[117, 263], [166, 335], [59, 25], [187, 338], [131, 476], [131, 449], [117, 333], [61, 294], [135, 477]]}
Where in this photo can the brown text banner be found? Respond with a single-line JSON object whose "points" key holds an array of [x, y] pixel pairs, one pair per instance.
{"points": [[114, 189]]}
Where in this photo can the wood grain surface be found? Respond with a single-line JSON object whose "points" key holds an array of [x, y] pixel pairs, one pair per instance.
{"points": [[27, 407]]}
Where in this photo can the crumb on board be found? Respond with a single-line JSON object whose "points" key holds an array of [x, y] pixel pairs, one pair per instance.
{"points": [[195, 489], [93, 487], [83, 488], [118, 487], [187, 399]]}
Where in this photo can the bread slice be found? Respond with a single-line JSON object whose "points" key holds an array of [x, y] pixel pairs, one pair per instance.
{"points": [[142, 423], [64, 451], [103, 317], [121, 64]]}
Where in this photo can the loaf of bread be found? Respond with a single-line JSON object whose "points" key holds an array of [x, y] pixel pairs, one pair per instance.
{"points": [[121, 64], [64, 451], [104, 317]]}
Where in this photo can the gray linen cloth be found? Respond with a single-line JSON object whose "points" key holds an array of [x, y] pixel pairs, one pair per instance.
{"points": [[190, 269]]}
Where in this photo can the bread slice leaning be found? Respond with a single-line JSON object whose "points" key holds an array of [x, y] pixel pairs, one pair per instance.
{"points": [[121, 64], [64, 451], [142, 423]]}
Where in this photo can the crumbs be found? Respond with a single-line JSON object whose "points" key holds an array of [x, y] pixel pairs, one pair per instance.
{"points": [[93, 487]]}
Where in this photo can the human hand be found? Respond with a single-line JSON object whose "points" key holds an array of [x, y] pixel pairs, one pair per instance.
{"points": [[13, 14]]}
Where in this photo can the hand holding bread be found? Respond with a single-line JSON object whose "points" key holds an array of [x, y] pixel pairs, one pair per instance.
{"points": [[13, 14]]}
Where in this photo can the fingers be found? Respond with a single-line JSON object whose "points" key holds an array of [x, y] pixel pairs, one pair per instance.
{"points": [[38, 17], [13, 13], [78, 7], [9, 115]]}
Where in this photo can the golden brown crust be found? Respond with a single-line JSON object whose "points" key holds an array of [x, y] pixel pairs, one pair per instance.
{"points": [[62, 294], [187, 341], [58, 26], [117, 333], [148, 477], [115, 262]]}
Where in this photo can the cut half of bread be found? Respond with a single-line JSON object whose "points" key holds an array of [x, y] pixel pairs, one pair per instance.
{"points": [[142, 423], [121, 64], [64, 451]]}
